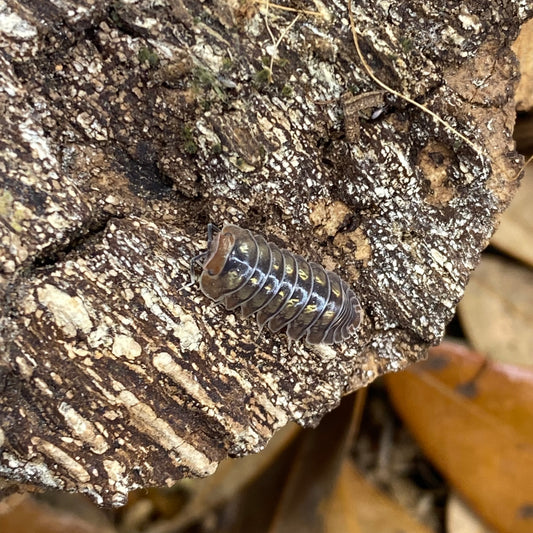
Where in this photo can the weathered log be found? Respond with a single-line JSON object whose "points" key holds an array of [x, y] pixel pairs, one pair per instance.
{"points": [[127, 127]]}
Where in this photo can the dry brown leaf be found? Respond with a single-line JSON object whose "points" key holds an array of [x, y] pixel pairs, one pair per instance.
{"points": [[370, 509], [497, 311], [485, 452], [515, 234], [340, 511], [314, 472], [25, 514], [504, 391]]}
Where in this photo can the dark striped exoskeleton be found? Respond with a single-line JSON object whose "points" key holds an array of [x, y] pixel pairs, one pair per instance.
{"points": [[241, 269]]}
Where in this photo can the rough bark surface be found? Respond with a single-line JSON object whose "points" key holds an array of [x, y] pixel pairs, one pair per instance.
{"points": [[126, 127]]}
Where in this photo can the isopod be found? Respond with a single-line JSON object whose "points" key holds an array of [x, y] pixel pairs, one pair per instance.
{"points": [[241, 269]]}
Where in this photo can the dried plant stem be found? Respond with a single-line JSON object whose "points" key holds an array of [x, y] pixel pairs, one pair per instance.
{"points": [[274, 41], [523, 167], [476, 148], [292, 9]]}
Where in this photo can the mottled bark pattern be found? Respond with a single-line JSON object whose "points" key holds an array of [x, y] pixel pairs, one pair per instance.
{"points": [[126, 127]]}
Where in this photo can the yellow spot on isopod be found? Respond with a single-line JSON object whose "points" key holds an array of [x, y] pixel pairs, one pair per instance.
{"points": [[303, 274], [328, 314]]}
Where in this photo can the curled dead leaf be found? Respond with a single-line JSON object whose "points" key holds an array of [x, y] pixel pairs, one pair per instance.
{"points": [[473, 422]]}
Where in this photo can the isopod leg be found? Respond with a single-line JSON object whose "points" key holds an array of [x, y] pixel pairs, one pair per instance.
{"points": [[195, 260], [259, 332], [210, 228]]}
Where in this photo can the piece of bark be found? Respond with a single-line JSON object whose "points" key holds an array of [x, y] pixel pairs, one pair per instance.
{"points": [[127, 127]]}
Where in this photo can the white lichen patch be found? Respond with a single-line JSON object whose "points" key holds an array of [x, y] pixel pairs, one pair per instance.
{"points": [[37, 471], [327, 85], [214, 59], [43, 387], [24, 366], [126, 346], [29, 305], [469, 21], [326, 352], [99, 336], [83, 428], [35, 138], [188, 333], [57, 455], [92, 127], [115, 471], [69, 312], [12, 25], [58, 221], [439, 258]]}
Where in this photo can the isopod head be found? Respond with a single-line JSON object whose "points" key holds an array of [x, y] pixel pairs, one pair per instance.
{"points": [[231, 255]]}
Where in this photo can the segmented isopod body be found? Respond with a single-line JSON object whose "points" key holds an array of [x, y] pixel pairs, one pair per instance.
{"points": [[241, 269]]}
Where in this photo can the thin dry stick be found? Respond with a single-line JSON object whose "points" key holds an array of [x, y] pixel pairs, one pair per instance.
{"points": [[359, 407], [530, 158], [278, 42], [292, 9], [476, 148], [282, 36], [266, 22]]}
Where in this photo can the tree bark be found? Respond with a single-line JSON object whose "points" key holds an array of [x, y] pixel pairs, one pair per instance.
{"points": [[127, 127]]}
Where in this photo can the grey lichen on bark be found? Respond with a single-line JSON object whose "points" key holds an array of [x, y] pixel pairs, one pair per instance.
{"points": [[127, 127]]}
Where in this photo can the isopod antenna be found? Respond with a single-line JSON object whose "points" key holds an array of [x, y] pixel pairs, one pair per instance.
{"points": [[198, 259]]}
